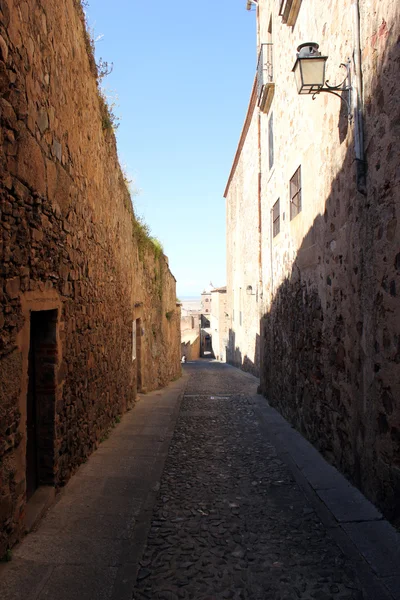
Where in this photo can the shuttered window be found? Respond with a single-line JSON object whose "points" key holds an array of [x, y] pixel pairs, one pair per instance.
{"points": [[295, 194], [276, 219]]}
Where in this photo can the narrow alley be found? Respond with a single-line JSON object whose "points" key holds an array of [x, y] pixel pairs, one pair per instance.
{"points": [[195, 495]]}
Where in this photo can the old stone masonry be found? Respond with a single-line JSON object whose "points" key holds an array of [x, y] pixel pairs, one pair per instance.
{"points": [[198, 494]]}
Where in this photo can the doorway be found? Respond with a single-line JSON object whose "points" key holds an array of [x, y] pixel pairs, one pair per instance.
{"points": [[41, 398]]}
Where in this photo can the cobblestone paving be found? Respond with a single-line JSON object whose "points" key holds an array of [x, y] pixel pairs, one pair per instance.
{"points": [[229, 521]]}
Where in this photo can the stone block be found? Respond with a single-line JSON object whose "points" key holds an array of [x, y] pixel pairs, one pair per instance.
{"points": [[379, 543], [42, 121], [37, 235], [57, 149], [13, 287], [30, 163], [347, 503]]}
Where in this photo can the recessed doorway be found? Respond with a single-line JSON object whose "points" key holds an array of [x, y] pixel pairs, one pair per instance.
{"points": [[41, 399]]}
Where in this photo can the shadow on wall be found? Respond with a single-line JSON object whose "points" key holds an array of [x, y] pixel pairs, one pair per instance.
{"points": [[191, 349], [331, 341], [235, 358], [204, 322], [206, 344]]}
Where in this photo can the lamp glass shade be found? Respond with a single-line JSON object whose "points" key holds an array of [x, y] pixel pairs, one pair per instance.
{"points": [[310, 74]]}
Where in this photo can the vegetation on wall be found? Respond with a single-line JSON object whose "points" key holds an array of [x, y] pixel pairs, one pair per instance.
{"points": [[110, 122]]}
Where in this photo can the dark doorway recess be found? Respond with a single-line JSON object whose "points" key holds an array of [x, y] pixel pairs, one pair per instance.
{"points": [[41, 399]]}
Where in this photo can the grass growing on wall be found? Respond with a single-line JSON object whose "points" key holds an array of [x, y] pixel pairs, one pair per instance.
{"points": [[109, 122]]}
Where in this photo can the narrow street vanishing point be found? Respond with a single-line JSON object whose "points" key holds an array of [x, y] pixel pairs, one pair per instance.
{"points": [[204, 492]]}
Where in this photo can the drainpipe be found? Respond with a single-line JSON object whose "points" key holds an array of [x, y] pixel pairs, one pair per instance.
{"points": [[260, 277], [357, 102], [271, 233]]}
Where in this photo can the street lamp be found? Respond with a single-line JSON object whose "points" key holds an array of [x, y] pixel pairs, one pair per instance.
{"points": [[309, 69], [309, 72]]}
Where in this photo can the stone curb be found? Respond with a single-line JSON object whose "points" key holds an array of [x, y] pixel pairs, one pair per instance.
{"points": [[131, 555], [355, 524]]}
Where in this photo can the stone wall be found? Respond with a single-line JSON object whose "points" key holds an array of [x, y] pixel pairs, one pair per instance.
{"points": [[69, 247], [190, 345], [331, 330]]}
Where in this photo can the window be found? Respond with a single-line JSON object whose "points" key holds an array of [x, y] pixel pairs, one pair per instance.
{"points": [[271, 141], [276, 219], [295, 194]]}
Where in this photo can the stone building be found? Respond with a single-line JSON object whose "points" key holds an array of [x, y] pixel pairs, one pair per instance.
{"points": [[313, 235], [88, 311], [219, 323], [206, 300]]}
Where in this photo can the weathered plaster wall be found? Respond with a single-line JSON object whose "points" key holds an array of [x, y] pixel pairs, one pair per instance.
{"points": [[330, 336], [243, 251], [68, 243]]}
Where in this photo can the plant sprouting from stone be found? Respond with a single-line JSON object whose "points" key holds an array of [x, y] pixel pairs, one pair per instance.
{"points": [[158, 247], [110, 118], [104, 68]]}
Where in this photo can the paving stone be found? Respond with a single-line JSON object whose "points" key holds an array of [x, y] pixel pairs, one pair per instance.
{"points": [[67, 548], [379, 543], [393, 585], [25, 579], [72, 582], [347, 503]]}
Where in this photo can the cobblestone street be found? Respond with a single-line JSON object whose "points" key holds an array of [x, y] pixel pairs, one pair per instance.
{"points": [[230, 521], [204, 492]]}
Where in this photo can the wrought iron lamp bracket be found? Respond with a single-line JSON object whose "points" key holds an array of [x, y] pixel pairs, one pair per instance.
{"points": [[341, 90]]}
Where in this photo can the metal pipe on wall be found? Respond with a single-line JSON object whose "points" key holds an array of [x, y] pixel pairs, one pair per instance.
{"points": [[357, 101]]}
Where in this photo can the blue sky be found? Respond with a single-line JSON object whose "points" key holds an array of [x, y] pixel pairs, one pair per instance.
{"points": [[182, 77]]}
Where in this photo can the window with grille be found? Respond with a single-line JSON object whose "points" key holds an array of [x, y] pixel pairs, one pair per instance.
{"points": [[295, 194], [276, 219], [271, 140]]}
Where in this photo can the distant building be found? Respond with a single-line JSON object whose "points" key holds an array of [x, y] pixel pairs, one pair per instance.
{"points": [[219, 323], [206, 300], [190, 329]]}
